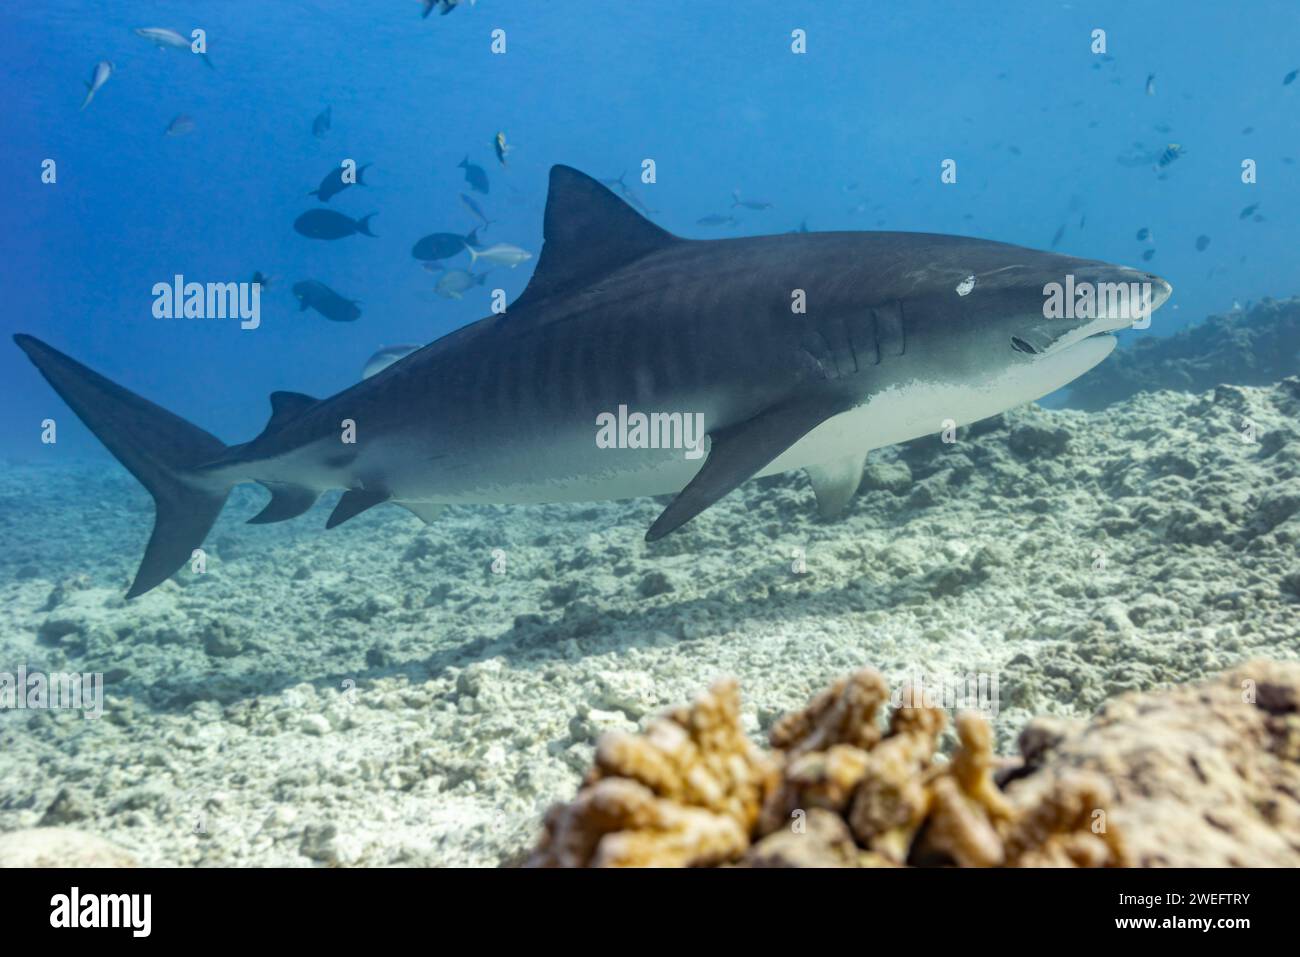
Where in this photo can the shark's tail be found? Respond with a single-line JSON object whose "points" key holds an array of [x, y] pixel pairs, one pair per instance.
{"points": [[158, 448]]}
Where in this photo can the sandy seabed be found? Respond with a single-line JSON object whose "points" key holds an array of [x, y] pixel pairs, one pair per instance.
{"points": [[378, 694]]}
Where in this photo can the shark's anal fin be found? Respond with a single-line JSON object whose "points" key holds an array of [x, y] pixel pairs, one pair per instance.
{"points": [[426, 512], [740, 451], [354, 502], [287, 501], [834, 483]]}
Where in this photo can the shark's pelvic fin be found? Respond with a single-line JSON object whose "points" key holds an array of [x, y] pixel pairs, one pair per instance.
{"points": [[588, 232], [354, 502], [740, 451], [158, 448], [834, 483], [287, 501]]}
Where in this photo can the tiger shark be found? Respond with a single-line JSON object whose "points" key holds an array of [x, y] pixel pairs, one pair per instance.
{"points": [[802, 350]]}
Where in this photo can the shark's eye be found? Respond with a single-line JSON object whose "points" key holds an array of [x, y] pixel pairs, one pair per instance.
{"points": [[1021, 346]]}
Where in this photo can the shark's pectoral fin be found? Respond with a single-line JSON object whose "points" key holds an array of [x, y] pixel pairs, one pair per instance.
{"points": [[287, 501], [835, 483], [426, 512], [354, 502], [738, 452]]}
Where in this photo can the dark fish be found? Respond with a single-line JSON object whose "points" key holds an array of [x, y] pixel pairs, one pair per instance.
{"points": [[262, 279], [1258, 218], [1201, 243], [1151, 84], [180, 125], [1059, 233], [1083, 219], [1247, 131], [474, 210], [321, 125], [327, 224], [1013, 150], [1170, 153], [1147, 256], [716, 219], [747, 203], [325, 300], [1290, 77], [1143, 234], [334, 183], [475, 175], [456, 282], [1249, 211], [437, 246]]}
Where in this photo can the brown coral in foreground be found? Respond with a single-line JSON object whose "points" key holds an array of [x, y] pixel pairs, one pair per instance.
{"points": [[685, 792], [1197, 775]]}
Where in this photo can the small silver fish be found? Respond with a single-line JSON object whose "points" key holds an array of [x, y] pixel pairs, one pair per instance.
{"points": [[385, 357], [164, 39], [103, 70], [1151, 84], [500, 254]]}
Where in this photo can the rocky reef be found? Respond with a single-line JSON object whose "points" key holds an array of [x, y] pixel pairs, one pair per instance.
{"points": [[1246, 347], [380, 695], [1196, 775]]}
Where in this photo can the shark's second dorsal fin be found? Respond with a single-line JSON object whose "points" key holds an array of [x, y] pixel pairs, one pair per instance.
{"points": [[589, 232], [286, 406]]}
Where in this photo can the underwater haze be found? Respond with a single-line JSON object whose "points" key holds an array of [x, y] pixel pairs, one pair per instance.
{"points": [[420, 685]]}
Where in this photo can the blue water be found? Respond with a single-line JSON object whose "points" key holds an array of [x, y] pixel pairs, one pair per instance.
{"points": [[710, 91]]}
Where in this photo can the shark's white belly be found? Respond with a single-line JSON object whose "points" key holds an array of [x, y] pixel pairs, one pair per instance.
{"points": [[918, 408], [893, 415]]}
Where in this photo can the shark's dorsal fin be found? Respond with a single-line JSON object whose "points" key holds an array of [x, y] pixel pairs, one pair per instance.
{"points": [[287, 405], [589, 232]]}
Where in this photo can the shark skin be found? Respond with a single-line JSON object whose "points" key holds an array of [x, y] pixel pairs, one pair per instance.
{"points": [[892, 342]]}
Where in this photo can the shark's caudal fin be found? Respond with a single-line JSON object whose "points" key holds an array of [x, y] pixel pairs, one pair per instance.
{"points": [[157, 447]]}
